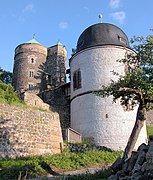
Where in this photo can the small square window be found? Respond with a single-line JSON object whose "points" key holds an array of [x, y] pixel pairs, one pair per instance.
{"points": [[31, 86]]}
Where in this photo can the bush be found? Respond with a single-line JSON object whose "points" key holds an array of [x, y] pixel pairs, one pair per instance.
{"points": [[7, 94]]}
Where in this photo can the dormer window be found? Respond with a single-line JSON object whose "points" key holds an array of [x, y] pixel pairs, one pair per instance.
{"points": [[122, 40]]}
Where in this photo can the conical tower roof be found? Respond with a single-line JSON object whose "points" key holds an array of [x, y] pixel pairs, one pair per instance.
{"points": [[33, 41]]}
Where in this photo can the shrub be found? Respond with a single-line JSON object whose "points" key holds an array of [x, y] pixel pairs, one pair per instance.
{"points": [[7, 94]]}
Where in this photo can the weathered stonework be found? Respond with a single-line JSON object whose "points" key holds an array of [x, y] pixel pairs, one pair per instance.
{"points": [[25, 131], [32, 99], [59, 102], [56, 66], [39, 68], [138, 166], [29, 63], [150, 118]]}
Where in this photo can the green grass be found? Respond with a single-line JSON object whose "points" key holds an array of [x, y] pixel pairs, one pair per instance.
{"points": [[41, 165], [66, 161], [149, 131]]}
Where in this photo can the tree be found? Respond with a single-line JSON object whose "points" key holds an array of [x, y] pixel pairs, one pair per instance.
{"points": [[5, 76], [7, 93], [136, 86], [1, 72]]}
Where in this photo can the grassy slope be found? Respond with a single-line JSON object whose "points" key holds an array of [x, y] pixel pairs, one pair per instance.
{"points": [[40, 166]]}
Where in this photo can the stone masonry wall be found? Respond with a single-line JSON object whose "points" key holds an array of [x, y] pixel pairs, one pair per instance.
{"points": [[150, 118], [56, 66], [29, 65], [31, 99], [59, 103], [25, 131]]}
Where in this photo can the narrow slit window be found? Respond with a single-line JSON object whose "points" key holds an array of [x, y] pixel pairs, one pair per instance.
{"points": [[31, 73]]}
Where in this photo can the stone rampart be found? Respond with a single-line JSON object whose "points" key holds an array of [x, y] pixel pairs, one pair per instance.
{"points": [[60, 103], [26, 132], [32, 99]]}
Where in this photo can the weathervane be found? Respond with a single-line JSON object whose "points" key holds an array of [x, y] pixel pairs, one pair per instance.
{"points": [[100, 18]]}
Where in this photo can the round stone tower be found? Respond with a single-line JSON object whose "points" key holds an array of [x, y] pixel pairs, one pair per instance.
{"points": [[96, 118], [29, 65]]}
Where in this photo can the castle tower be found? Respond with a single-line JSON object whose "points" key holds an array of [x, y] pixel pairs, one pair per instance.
{"points": [[29, 64], [96, 118], [56, 65]]}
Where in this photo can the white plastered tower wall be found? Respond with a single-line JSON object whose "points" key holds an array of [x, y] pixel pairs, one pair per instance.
{"points": [[107, 123]]}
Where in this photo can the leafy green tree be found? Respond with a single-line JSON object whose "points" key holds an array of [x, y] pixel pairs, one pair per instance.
{"points": [[5, 76], [1, 72], [136, 86], [7, 93]]}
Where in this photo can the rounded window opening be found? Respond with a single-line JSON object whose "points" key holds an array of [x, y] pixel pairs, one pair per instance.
{"points": [[32, 60]]}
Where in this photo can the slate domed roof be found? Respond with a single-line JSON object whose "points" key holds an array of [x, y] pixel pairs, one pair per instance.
{"points": [[102, 34]]}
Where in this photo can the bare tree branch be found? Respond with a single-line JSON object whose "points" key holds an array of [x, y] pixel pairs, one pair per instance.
{"points": [[131, 90], [150, 100]]}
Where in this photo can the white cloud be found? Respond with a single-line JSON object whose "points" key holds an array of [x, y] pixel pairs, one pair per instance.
{"points": [[119, 16], [29, 8], [63, 25], [114, 4]]}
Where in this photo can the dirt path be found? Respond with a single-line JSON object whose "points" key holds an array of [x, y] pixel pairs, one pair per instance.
{"points": [[59, 175]]}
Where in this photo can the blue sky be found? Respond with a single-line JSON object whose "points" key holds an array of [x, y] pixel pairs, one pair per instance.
{"points": [[65, 20]]}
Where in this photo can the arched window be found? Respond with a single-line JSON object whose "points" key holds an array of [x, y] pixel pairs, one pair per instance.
{"points": [[32, 60]]}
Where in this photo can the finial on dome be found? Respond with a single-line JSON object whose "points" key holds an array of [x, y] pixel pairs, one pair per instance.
{"points": [[100, 18], [59, 43], [33, 36]]}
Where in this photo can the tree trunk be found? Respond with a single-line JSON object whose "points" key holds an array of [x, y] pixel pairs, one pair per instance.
{"points": [[140, 118]]}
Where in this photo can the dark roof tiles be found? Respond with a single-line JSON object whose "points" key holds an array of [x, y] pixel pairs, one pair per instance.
{"points": [[102, 34]]}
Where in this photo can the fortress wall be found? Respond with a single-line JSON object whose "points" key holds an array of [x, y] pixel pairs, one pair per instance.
{"points": [[32, 99], [26, 132], [59, 102], [150, 118]]}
